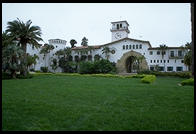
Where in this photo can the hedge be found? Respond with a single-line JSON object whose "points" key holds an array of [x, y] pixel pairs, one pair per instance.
{"points": [[176, 74], [188, 82], [148, 79]]}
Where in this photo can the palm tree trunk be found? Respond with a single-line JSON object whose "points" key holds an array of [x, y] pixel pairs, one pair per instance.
{"points": [[24, 71]]}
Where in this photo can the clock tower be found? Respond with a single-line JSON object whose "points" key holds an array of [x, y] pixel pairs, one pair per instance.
{"points": [[119, 30]]}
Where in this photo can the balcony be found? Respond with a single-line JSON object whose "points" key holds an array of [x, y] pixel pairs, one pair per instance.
{"points": [[176, 57], [120, 29]]}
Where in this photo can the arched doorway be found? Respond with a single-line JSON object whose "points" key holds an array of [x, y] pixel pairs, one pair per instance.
{"points": [[126, 63], [130, 64]]}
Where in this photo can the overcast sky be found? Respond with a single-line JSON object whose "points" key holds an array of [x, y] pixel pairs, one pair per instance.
{"points": [[160, 23]]}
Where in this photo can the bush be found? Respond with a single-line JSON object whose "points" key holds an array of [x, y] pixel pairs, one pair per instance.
{"points": [[188, 82], [44, 69], [32, 70], [19, 76], [176, 74], [139, 76], [6, 76], [86, 68], [97, 67], [148, 79]]}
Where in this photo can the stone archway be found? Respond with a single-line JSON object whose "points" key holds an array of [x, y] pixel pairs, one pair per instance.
{"points": [[121, 63]]}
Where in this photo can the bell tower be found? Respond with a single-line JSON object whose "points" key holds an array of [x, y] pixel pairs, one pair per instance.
{"points": [[119, 30]]}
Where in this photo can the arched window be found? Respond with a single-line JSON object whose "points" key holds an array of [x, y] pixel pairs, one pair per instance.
{"points": [[77, 58], [117, 26], [96, 57], [140, 46], [123, 46], [129, 46], [83, 57], [136, 46], [89, 57], [126, 46], [133, 46], [120, 25], [70, 58]]}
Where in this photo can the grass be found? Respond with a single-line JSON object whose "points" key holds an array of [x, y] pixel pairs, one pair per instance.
{"points": [[49, 102]]}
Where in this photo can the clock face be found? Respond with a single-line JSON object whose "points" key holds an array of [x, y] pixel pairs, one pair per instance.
{"points": [[117, 35]]}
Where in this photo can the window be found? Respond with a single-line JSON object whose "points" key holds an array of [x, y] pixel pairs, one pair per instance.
{"points": [[140, 46], [151, 52], [77, 58], [126, 46], [169, 68], [164, 61], [89, 57], [157, 61], [158, 52], [179, 69], [143, 53], [133, 46], [123, 46], [175, 61], [96, 57], [179, 53], [129, 46], [167, 61], [154, 61], [136, 46], [161, 61], [152, 68], [172, 53], [182, 61], [161, 68], [150, 61], [120, 25], [117, 26]]}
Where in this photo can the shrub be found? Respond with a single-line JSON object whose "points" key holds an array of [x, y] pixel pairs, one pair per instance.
{"points": [[44, 69], [148, 79], [19, 76], [32, 70], [97, 67], [86, 68], [139, 76], [6, 76], [176, 74], [188, 82]]}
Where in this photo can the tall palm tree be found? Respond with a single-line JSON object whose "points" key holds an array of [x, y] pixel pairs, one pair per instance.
{"points": [[106, 51], [163, 49], [45, 50], [73, 42], [24, 33]]}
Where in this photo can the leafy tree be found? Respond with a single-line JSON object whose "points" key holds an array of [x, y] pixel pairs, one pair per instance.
{"points": [[45, 50], [54, 64], [84, 42], [30, 61], [35, 57], [24, 33], [139, 61], [73, 42], [11, 59], [188, 59], [106, 50], [188, 55]]}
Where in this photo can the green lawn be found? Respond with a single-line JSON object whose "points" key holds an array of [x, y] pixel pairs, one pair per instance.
{"points": [[51, 102]]}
